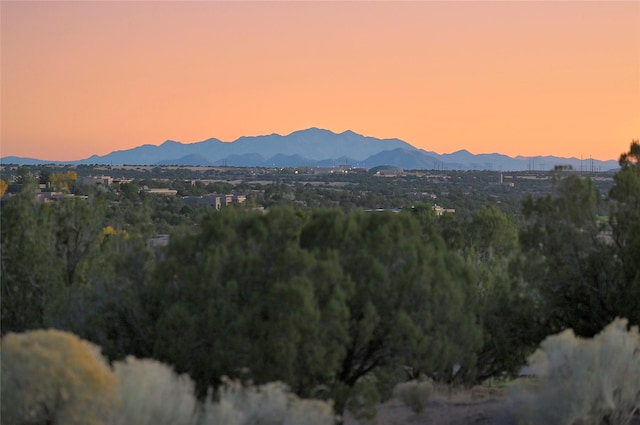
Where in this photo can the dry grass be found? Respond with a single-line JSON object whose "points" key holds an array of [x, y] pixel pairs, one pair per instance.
{"points": [[485, 404], [465, 395]]}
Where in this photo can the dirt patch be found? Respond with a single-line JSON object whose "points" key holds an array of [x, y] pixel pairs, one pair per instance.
{"points": [[491, 410]]}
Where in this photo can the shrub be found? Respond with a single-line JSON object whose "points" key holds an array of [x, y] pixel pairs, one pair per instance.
{"points": [[269, 404], [415, 394], [53, 377], [363, 399], [150, 393], [584, 381]]}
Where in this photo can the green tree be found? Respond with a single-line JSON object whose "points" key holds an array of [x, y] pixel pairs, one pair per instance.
{"points": [[31, 271], [24, 175], [318, 300], [488, 241], [108, 308], [625, 226], [79, 223], [242, 294], [46, 247], [129, 191], [508, 311], [44, 176], [569, 259], [491, 233], [412, 299]]}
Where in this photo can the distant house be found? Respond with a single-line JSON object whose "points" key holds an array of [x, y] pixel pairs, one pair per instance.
{"points": [[163, 191], [96, 180], [215, 200], [159, 240], [121, 181], [378, 210], [51, 196], [212, 200], [440, 210]]}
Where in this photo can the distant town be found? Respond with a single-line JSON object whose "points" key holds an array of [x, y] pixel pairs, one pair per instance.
{"points": [[344, 186]]}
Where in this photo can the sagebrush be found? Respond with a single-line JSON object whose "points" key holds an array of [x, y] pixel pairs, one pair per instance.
{"points": [[151, 393], [583, 381], [415, 393]]}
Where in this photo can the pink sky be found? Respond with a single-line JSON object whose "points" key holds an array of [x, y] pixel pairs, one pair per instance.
{"points": [[519, 78]]}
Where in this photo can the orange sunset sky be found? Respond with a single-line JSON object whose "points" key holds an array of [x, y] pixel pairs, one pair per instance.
{"points": [[519, 78]]}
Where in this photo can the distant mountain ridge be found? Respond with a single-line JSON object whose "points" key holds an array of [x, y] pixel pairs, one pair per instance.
{"points": [[316, 147]]}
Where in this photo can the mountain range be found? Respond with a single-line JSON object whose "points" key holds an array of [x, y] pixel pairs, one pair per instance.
{"points": [[316, 147]]}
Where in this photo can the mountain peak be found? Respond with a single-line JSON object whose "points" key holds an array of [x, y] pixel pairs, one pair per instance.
{"points": [[349, 133], [462, 152], [169, 142], [312, 130]]}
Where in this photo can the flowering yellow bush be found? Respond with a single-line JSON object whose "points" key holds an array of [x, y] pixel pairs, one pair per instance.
{"points": [[49, 376]]}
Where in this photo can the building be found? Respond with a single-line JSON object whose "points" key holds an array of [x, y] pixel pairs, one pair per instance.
{"points": [[215, 200], [96, 180], [162, 191], [440, 210]]}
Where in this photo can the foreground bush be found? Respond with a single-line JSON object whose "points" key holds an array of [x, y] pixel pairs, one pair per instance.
{"points": [[53, 377], [415, 394], [584, 381], [269, 404], [150, 393]]}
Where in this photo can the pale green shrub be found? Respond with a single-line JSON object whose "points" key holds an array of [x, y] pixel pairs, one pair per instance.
{"points": [[269, 404], [310, 412], [584, 381], [415, 393], [150, 393], [222, 412], [53, 377]]}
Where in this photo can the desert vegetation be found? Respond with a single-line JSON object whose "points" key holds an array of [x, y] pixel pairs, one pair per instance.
{"points": [[53, 377], [249, 314], [584, 381]]}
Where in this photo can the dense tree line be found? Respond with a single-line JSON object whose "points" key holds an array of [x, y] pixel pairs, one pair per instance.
{"points": [[332, 301]]}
